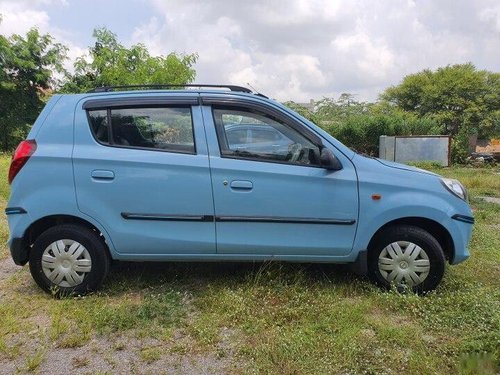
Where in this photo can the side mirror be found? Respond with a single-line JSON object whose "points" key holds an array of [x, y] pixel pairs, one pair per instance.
{"points": [[329, 160]]}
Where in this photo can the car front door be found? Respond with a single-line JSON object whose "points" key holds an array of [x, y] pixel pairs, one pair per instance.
{"points": [[274, 198], [141, 170]]}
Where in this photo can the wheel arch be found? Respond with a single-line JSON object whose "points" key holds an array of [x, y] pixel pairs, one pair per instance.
{"points": [[438, 231], [41, 225]]}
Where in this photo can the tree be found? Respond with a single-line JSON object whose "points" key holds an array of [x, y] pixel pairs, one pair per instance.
{"points": [[27, 68], [461, 98], [111, 64]]}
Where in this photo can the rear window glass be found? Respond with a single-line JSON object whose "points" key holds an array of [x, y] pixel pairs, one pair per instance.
{"points": [[167, 129], [99, 125]]}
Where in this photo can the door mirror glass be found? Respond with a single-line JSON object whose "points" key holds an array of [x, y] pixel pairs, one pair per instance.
{"points": [[329, 160]]}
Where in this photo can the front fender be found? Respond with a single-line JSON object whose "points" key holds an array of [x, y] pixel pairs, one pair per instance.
{"points": [[376, 213]]}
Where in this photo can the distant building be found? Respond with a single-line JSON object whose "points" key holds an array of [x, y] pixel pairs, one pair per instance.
{"points": [[309, 106]]}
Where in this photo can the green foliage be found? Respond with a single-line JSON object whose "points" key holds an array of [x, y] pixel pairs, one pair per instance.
{"points": [[363, 132], [461, 98], [460, 146], [111, 63], [359, 125], [27, 67], [426, 164], [30, 64], [457, 100]]}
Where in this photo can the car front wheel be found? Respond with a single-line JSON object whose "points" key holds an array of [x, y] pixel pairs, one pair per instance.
{"points": [[407, 257]]}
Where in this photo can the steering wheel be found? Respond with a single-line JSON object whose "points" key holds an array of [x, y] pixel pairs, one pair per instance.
{"points": [[296, 150]]}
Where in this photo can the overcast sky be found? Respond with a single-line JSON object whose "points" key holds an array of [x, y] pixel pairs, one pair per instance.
{"points": [[288, 49]]}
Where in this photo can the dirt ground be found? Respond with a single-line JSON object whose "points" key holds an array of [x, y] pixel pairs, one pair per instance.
{"points": [[119, 354]]}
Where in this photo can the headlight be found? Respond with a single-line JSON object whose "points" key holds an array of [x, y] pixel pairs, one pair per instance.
{"points": [[455, 187]]}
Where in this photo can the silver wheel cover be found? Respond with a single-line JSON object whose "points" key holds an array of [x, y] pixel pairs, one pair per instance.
{"points": [[66, 263], [404, 263]]}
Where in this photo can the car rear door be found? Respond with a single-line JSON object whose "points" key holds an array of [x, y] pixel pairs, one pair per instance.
{"points": [[141, 170], [277, 201]]}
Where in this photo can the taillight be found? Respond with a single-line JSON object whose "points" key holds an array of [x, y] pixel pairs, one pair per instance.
{"points": [[20, 157]]}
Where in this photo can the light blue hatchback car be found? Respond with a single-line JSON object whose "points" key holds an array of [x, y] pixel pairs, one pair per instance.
{"points": [[164, 175]]}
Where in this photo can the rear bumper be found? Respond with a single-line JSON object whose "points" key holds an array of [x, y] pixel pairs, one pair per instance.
{"points": [[19, 251], [19, 220]]}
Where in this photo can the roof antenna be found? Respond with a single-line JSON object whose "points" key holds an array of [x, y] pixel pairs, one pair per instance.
{"points": [[256, 92]]}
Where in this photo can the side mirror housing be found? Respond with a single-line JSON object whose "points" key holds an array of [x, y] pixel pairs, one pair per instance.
{"points": [[329, 160]]}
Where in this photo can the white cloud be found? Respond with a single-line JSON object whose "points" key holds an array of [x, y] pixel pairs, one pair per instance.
{"points": [[19, 16], [298, 49], [304, 49]]}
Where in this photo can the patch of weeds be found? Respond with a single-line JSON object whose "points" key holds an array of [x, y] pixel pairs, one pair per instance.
{"points": [[163, 307], [4, 231], [79, 362], [35, 360], [151, 354], [478, 364], [74, 339], [75, 319], [10, 351], [10, 325], [59, 323], [466, 318], [203, 330], [120, 345]]}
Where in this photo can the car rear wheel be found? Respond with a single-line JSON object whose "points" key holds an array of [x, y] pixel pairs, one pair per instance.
{"points": [[407, 257], [69, 259]]}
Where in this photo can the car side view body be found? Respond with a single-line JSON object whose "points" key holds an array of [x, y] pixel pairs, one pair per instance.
{"points": [[212, 175]]}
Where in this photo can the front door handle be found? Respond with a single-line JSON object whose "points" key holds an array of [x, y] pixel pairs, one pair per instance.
{"points": [[101, 174], [241, 185]]}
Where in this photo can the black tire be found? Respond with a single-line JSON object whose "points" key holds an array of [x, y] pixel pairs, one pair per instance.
{"points": [[93, 243], [417, 236]]}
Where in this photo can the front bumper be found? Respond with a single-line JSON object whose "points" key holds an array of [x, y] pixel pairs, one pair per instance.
{"points": [[461, 233]]}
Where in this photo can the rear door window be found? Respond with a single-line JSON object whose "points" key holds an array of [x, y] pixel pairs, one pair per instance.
{"points": [[157, 128]]}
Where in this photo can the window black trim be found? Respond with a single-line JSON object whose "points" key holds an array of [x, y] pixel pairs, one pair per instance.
{"points": [[138, 101], [110, 130]]}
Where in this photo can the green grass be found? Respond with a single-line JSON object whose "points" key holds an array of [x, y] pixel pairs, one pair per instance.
{"points": [[275, 317], [4, 195], [4, 170]]}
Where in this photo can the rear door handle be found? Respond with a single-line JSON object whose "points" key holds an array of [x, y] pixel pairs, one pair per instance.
{"points": [[241, 185], [101, 174]]}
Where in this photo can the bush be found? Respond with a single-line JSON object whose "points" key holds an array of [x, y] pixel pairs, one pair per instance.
{"points": [[362, 132]]}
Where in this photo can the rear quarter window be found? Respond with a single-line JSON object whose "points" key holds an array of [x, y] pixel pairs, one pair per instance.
{"points": [[99, 125]]}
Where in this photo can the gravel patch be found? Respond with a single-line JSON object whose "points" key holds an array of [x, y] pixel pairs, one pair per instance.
{"points": [[491, 199], [120, 355], [7, 268]]}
